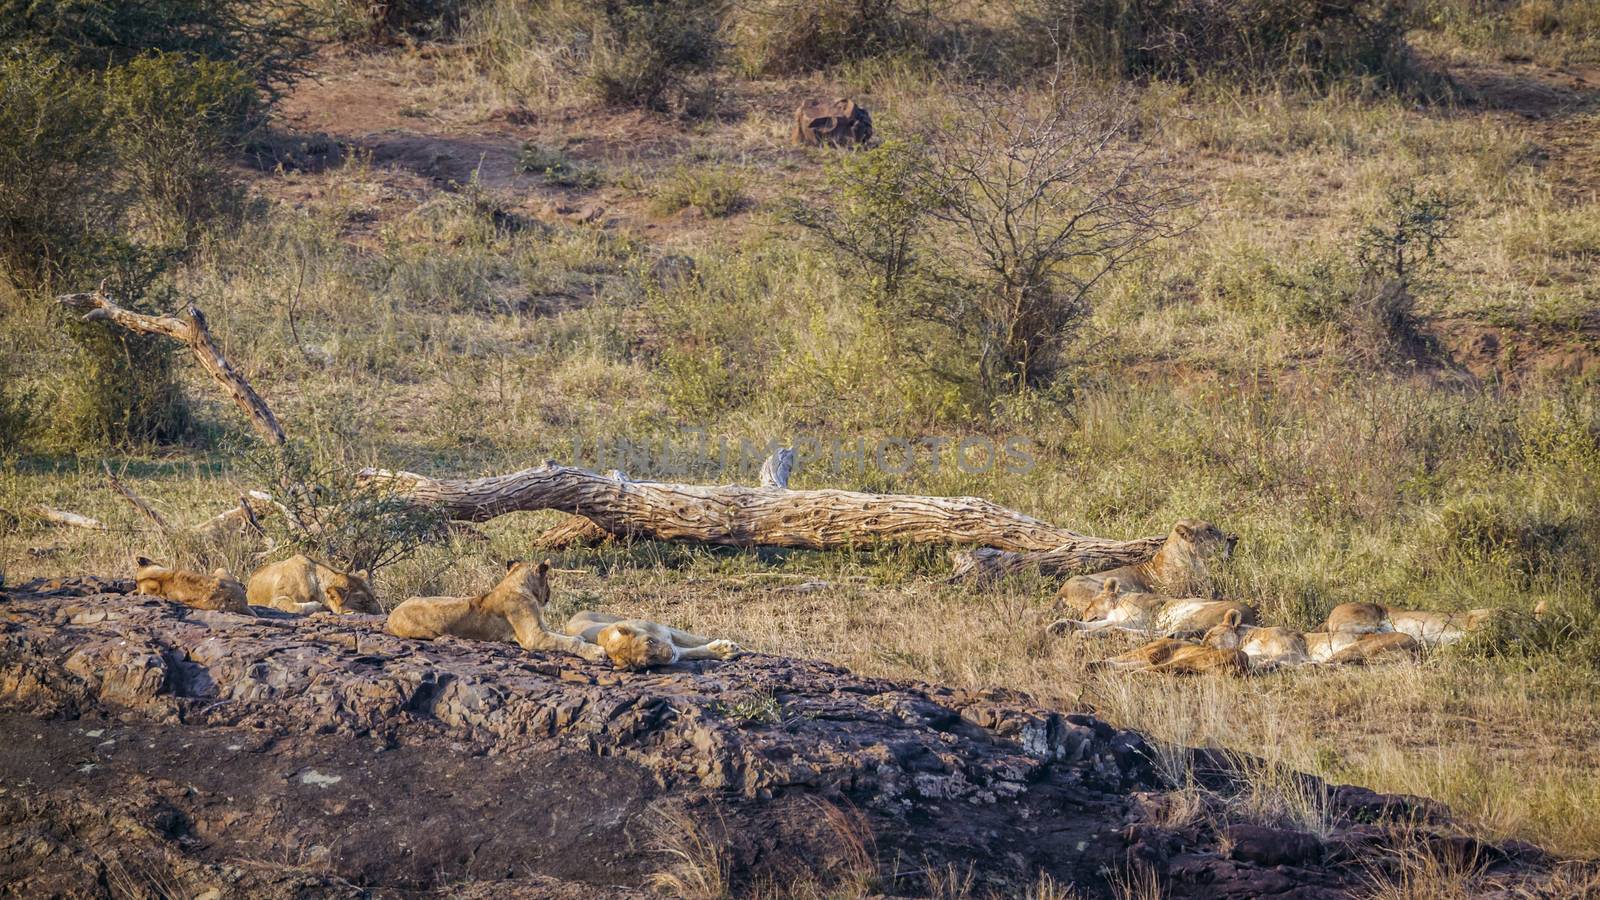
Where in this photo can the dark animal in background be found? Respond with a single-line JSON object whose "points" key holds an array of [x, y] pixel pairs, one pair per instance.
{"points": [[840, 123]]}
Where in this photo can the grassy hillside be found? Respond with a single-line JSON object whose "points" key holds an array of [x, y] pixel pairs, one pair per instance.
{"points": [[467, 241]]}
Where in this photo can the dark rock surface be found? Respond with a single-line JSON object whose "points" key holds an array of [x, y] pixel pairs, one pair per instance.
{"points": [[279, 756]]}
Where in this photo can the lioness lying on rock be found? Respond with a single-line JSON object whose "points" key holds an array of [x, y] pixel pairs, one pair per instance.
{"points": [[302, 585], [1430, 628], [1181, 567], [512, 611], [1114, 609], [638, 644], [217, 591]]}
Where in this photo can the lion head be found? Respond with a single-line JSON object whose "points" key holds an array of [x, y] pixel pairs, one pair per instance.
{"points": [[1104, 602], [1229, 635], [349, 592], [633, 648]]}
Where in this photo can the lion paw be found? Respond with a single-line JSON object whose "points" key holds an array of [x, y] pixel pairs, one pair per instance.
{"points": [[1061, 627], [593, 653], [724, 649]]}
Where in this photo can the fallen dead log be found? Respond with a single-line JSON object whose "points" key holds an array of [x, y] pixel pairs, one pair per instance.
{"points": [[734, 515], [731, 515], [984, 564], [62, 517]]}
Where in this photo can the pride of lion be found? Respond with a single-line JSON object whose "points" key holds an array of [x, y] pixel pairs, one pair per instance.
{"points": [[1168, 598]]}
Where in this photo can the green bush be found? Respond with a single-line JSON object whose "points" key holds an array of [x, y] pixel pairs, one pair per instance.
{"points": [[17, 423], [774, 37], [715, 192], [58, 192], [176, 124], [619, 52], [384, 21], [269, 40], [1239, 38], [119, 390], [556, 168]]}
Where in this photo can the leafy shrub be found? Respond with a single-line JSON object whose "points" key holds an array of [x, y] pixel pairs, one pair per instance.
{"points": [[774, 37], [268, 40], [1241, 38], [384, 21], [332, 516], [556, 168], [175, 123], [715, 192], [119, 390], [57, 191], [619, 52], [878, 214], [17, 423]]}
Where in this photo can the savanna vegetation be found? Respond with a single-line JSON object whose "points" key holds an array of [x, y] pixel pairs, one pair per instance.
{"points": [[1322, 273]]}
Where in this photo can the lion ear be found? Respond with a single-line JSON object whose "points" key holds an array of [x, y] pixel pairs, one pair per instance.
{"points": [[1183, 531], [512, 564], [1231, 618], [144, 561], [363, 574], [1112, 585], [544, 567]]}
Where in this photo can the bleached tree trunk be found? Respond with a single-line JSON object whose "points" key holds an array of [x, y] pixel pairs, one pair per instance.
{"points": [[734, 515]]}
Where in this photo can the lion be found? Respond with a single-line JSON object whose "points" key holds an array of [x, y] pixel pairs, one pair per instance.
{"points": [[302, 585], [1267, 647], [511, 612], [1178, 657], [1180, 567], [217, 591], [1145, 612], [840, 123], [1342, 648], [1429, 628], [637, 644]]}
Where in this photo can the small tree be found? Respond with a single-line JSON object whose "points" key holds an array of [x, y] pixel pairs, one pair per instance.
{"points": [[1042, 196], [877, 212], [1398, 254], [329, 514]]}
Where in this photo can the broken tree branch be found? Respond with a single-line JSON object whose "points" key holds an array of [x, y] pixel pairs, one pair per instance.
{"points": [[138, 502], [62, 517], [733, 515], [193, 333]]}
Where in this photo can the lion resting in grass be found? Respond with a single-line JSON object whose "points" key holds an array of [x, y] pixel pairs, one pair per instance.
{"points": [[1181, 567], [1177, 657], [1114, 609], [1429, 628], [637, 644], [217, 591], [512, 611], [302, 585], [1270, 648]]}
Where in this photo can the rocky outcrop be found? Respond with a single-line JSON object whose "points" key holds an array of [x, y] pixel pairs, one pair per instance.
{"points": [[321, 751]]}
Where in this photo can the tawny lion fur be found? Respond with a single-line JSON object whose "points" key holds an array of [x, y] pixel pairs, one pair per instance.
{"points": [[302, 585], [1177, 657], [639, 644], [511, 611], [218, 591], [1429, 628], [1181, 567], [1115, 610], [1270, 648]]}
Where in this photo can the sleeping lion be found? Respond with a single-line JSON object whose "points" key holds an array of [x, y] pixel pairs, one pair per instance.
{"points": [[637, 644]]}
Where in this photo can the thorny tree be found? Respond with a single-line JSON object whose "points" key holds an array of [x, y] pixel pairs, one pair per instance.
{"points": [[1046, 193]]}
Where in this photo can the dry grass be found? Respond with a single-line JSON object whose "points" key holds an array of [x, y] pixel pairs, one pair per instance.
{"points": [[427, 333]]}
